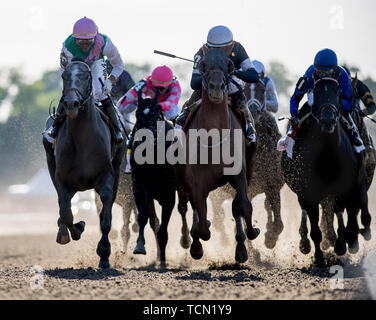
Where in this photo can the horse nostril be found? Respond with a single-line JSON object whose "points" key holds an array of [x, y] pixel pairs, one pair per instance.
{"points": [[211, 85], [223, 86]]}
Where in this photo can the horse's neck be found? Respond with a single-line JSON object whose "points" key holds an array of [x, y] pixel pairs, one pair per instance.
{"points": [[84, 123], [213, 115], [328, 141]]}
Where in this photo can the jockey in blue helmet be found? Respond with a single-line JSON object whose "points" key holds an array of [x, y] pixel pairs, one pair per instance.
{"points": [[326, 65]]}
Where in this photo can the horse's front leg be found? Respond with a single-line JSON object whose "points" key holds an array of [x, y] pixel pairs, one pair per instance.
{"points": [[242, 205], [316, 236], [272, 206], [143, 204], [105, 190], [65, 220], [198, 201], [241, 254], [185, 240], [304, 244], [167, 207]]}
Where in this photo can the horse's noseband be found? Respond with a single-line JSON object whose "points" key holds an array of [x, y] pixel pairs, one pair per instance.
{"points": [[83, 100]]}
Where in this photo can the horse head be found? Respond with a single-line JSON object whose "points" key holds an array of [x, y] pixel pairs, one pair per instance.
{"points": [[255, 94], [148, 111], [77, 86], [216, 68], [326, 105]]}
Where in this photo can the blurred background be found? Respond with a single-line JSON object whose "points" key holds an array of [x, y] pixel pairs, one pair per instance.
{"points": [[285, 36]]}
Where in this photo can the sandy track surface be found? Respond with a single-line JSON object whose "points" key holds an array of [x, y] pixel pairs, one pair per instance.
{"points": [[34, 266]]}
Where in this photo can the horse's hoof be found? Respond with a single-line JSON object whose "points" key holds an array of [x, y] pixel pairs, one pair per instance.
{"points": [[104, 264], [196, 250], [270, 240], [241, 254], [325, 245], [80, 227], [135, 228], [185, 242], [114, 234], [253, 233], [140, 249], [366, 233], [305, 246], [354, 247], [204, 235], [340, 247], [63, 235]]}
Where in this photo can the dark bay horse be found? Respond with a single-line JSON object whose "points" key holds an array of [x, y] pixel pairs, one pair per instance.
{"points": [[267, 175], [82, 157], [327, 205], [154, 180], [324, 164], [199, 178]]}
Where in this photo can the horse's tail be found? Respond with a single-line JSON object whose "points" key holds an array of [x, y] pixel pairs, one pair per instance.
{"points": [[249, 158]]}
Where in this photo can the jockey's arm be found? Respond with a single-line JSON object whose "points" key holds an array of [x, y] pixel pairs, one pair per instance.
{"points": [[112, 54], [128, 102], [170, 106], [271, 101], [346, 88], [302, 86], [248, 72], [365, 95]]}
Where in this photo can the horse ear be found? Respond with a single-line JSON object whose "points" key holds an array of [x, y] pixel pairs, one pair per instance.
{"points": [[230, 67]]}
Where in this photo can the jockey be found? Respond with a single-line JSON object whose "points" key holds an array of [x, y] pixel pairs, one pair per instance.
{"points": [[162, 80], [271, 101], [362, 93], [325, 65], [86, 42], [221, 37]]}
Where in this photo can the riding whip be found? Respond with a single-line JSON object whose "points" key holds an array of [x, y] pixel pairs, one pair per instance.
{"points": [[171, 55]]}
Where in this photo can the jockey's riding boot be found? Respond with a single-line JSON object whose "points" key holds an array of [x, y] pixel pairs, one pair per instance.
{"points": [[353, 132], [110, 111], [58, 120]]}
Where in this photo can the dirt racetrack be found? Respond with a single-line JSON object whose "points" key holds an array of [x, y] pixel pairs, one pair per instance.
{"points": [[34, 266]]}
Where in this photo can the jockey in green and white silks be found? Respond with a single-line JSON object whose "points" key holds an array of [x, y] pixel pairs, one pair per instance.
{"points": [[90, 45]]}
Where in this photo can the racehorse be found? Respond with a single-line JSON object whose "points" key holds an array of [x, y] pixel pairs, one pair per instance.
{"points": [[266, 176], [82, 158], [327, 205], [152, 181], [198, 179], [325, 164]]}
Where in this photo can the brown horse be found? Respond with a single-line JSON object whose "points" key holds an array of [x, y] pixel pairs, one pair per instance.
{"points": [[266, 179], [200, 178]]}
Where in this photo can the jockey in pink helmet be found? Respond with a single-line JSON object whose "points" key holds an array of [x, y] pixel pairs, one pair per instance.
{"points": [[162, 80], [91, 46]]}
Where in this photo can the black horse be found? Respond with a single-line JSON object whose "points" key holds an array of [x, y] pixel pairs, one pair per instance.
{"points": [[82, 158], [325, 164], [153, 180]]}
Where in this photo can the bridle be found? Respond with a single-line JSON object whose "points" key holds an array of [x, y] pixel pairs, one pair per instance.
{"points": [[83, 100], [326, 105]]}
